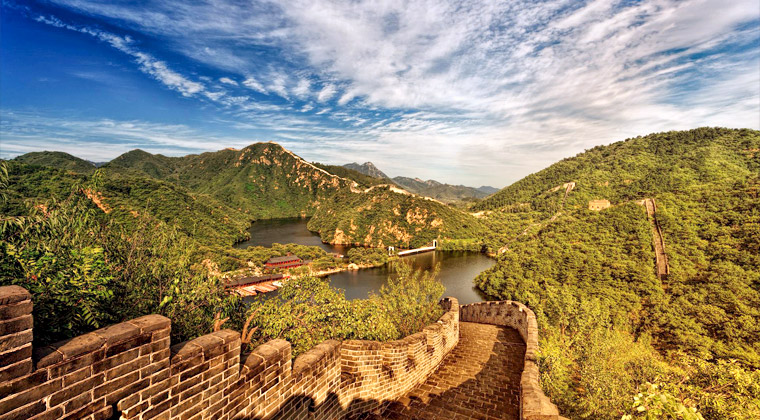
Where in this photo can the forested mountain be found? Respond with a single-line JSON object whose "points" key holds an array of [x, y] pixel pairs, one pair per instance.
{"points": [[442, 192], [58, 160], [128, 199], [385, 215], [263, 179], [590, 275], [367, 168]]}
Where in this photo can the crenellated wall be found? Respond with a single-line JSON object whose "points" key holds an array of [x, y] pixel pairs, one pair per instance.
{"points": [[534, 404], [132, 371]]}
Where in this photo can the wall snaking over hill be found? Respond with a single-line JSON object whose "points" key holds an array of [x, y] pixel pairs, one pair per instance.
{"points": [[534, 404], [131, 369]]}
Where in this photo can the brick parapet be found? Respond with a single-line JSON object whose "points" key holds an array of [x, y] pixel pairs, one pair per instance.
{"points": [[534, 404], [131, 369]]}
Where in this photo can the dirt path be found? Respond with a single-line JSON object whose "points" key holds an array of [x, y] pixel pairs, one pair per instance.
{"points": [[661, 258]]}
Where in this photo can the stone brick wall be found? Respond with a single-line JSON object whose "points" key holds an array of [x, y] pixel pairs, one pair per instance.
{"points": [[131, 371], [534, 404]]}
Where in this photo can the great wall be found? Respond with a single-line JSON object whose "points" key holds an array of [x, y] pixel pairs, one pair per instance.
{"points": [[484, 351]]}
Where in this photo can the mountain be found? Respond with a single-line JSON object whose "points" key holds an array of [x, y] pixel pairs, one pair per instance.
{"points": [[592, 274], [360, 178], [442, 192], [367, 168], [59, 160], [127, 199], [385, 215], [488, 190], [264, 180]]}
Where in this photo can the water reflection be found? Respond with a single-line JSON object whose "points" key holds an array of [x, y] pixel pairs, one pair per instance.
{"points": [[457, 268]]}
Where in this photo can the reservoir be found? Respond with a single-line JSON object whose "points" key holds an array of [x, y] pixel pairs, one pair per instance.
{"points": [[457, 268]]}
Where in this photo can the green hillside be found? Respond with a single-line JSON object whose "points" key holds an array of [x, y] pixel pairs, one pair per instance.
{"points": [[127, 200], [263, 180], [59, 160], [636, 168], [609, 324], [141, 162], [383, 217]]}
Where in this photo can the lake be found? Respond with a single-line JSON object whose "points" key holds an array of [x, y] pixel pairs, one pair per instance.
{"points": [[457, 268]]}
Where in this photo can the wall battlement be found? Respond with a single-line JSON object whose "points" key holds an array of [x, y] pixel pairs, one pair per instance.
{"points": [[131, 370]]}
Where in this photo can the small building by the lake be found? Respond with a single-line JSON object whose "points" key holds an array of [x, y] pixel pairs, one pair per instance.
{"points": [[286, 261]]}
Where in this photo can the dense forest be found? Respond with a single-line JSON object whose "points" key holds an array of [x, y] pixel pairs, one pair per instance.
{"points": [[590, 275]]}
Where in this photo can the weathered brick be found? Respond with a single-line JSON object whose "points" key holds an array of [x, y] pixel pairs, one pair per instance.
{"points": [[77, 346], [15, 310], [117, 333], [25, 412], [26, 382], [13, 294], [115, 360], [18, 339], [86, 410], [16, 355], [50, 414], [16, 370], [15, 325], [71, 365], [76, 376], [132, 343], [77, 402], [28, 396], [116, 384], [150, 323], [131, 366], [75, 390], [103, 414]]}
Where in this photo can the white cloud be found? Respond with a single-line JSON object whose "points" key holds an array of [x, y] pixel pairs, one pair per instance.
{"points": [[228, 81], [251, 83], [327, 92], [302, 89], [527, 82], [158, 69]]}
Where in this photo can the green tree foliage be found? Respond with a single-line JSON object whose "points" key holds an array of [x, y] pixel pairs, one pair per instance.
{"points": [[367, 256], [608, 324], [307, 311], [58, 160], [382, 217], [86, 270]]}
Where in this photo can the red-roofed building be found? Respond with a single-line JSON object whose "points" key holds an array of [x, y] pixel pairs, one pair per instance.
{"points": [[287, 261]]}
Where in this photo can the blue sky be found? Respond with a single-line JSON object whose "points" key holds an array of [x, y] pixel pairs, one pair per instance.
{"points": [[461, 92]]}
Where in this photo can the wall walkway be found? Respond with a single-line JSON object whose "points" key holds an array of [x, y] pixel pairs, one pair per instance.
{"points": [[131, 370]]}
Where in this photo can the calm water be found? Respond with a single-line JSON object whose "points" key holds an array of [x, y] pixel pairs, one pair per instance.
{"points": [[457, 268]]}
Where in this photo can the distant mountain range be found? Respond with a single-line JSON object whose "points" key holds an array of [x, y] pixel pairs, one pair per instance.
{"points": [[446, 193]]}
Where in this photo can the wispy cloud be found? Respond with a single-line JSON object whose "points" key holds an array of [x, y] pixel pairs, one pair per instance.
{"points": [[489, 87], [228, 81], [147, 63]]}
